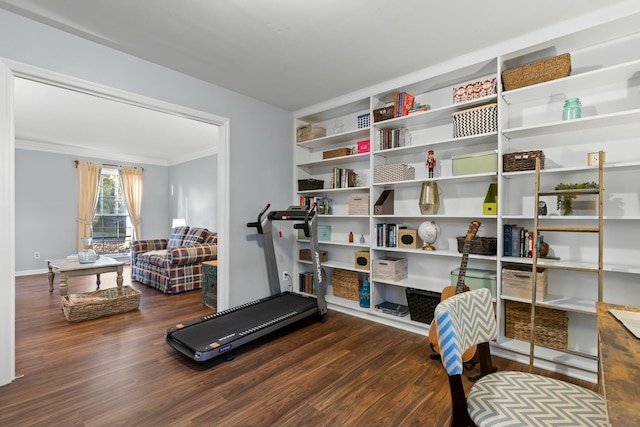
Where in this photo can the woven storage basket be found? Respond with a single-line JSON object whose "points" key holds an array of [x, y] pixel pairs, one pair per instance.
{"points": [[537, 72], [392, 173], [310, 184], [384, 113], [475, 121], [522, 161], [422, 304], [551, 324], [479, 245], [345, 284], [91, 305]]}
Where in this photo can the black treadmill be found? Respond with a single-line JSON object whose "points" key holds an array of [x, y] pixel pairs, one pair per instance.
{"points": [[217, 334]]}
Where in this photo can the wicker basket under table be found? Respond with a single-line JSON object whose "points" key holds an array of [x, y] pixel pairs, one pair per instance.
{"points": [[551, 325], [91, 305], [522, 161]]}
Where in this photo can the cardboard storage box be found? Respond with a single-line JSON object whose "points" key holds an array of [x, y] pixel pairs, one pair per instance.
{"points": [[358, 204], [476, 278], [305, 255], [362, 260], [338, 152], [390, 268], [516, 282], [472, 163], [307, 132], [409, 239]]}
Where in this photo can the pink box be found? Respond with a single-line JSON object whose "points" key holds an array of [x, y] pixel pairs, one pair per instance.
{"points": [[364, 146]]}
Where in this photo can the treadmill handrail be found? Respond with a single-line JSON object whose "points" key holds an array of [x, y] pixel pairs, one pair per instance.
{"points": [[258, 224]]}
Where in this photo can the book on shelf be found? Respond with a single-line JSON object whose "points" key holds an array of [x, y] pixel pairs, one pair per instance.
{"points": [[393, 308], [402, 103], [344, 178], [306, 282], [387, 235]]}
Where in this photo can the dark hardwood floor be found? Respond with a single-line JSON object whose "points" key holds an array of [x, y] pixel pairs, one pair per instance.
{"points": [[118, 371]]}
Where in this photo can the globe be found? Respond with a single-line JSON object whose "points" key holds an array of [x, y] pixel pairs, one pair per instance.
{"points": [[428, 232]]}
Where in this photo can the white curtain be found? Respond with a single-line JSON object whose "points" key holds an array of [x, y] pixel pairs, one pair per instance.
{"points": [[88, 182], [132, 186]]}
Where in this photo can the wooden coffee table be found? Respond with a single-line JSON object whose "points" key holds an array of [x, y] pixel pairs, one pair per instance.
{"points": [[71, 268]]}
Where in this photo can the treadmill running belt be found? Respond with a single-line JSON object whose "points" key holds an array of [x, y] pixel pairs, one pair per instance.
{"points": [[231, 326]]}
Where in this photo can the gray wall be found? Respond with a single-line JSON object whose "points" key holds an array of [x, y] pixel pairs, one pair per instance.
{"points": [[195, 195], [261, 158], [47, 206]]}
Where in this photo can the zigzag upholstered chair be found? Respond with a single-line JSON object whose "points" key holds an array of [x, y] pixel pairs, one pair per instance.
{"points": [[504, 398]]}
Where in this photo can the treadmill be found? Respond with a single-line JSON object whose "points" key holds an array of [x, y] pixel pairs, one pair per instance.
{"points": [[218, 334]]}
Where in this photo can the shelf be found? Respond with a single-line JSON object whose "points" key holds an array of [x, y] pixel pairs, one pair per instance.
{"points": [[567, 126], [436, 253], [342, 160], [342, 216], [450, 144], [573, 265], [334, 190], [574, 217], [563, 303], [339, 138], [444, 216], [458, 178], [574, 83], [583, 361], [436, 115], [356, 245], [587, 168]]}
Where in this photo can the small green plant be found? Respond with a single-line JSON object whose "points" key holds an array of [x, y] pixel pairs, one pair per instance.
{"points": [[564, 201]]}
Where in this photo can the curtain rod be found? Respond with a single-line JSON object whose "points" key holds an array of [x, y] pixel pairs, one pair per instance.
{"points": [[105, 164]]}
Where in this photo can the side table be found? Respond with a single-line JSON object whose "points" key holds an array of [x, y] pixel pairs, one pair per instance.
{"points": [[210, 284]]}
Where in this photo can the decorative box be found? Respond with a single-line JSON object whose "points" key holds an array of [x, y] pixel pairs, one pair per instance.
{"points": [[409, 239], [472, 163], [364, 146], [358, 204], [311, 131], [422, 304], [345, 284], [522, 161], [364, 120], [474, 90], [516, 282], [324, 232], [390, 268], [551, 325], [310, 184], [394, 172], [362, 260], [537, 72], [384, 113], [475, 121], [305, 255], [338, 152], [476, 278]]}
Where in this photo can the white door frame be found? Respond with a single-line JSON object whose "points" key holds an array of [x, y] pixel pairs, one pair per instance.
{"points": [[8, 71]]}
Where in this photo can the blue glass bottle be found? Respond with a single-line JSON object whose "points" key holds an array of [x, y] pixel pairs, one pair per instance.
{"points": [[572, 109], [365, 293]]}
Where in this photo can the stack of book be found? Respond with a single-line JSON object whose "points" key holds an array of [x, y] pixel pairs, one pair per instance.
{"points": [[387, 235], [344, 178], [518, 241], [402, 103], [306, 283]]}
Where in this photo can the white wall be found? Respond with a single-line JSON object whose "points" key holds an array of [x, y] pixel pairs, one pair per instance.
{"points": [[260, 153]]}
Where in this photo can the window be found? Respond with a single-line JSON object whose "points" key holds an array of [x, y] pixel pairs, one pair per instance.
{"points": [[111, 224]]}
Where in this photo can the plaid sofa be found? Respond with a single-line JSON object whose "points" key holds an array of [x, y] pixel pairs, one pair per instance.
{"points": [[173, 265]]}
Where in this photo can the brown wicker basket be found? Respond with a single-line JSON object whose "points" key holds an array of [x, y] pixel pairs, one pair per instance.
{"points": [[310, 184], [551, 324], [537, 72], [422, 304], [384, 113], [522, 161], [479, 245], [345, 284], [91, 305]]}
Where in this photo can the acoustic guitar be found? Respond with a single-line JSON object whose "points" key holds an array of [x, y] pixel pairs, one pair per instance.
{"points": [[450, 291]]}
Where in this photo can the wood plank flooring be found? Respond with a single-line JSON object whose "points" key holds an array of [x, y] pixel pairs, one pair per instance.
{"points": [[118, 371]]}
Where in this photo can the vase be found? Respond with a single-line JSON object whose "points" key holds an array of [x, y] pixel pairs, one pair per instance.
{"points": [[429, 198], [87, 255]]}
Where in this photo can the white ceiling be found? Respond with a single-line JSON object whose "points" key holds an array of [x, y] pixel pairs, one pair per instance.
{"points": [[297, 53]]}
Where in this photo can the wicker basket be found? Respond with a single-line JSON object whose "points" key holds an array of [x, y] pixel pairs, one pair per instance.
{"points": [[422, 304], [345, 284], [551, 324], [394, 172], [479, 245], [522, 161], [475, 121], [384, 113], [310, 184], [537, 72], [91, 305]]}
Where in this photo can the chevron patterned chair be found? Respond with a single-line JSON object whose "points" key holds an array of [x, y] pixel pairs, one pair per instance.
{"points": [[504, 398]]}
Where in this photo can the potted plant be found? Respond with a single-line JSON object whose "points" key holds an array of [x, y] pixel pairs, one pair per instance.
{"points": [[564, 201]]}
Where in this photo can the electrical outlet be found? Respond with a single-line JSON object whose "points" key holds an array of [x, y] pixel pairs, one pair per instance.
{"points": [[285, 274], [36, 255], [594, 158]]}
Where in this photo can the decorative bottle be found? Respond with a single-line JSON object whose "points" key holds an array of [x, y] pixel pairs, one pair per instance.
{"points": [[572, 109], [87, 255], [365, 293]]}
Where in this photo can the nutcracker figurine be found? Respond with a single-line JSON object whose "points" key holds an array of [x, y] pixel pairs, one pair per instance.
{"points": [[431, 163]]}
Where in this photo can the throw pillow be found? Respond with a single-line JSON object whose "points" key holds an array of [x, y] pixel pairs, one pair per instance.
{"points": [[177, 236], [195, 235]]}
